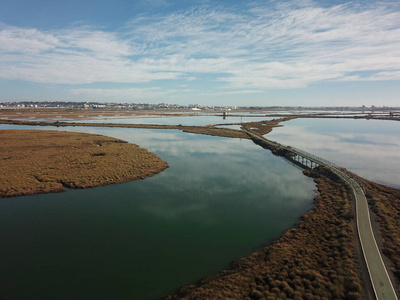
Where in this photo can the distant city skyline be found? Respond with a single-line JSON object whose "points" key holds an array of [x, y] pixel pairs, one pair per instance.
{"points": [[223, 53]]}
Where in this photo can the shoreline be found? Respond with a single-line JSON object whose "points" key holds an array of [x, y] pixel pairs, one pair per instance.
{"points": [[217, 282], [316, 258], [208, 130], [330, 225], [37, 162], [63, 114]]}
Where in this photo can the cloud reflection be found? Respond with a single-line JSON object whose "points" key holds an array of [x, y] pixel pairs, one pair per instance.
{"points": [[229, 175], [212, 179], [370, 149]]}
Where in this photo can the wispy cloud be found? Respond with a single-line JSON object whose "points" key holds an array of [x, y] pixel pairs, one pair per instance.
{"points": [[122, 94], [266, 45]]}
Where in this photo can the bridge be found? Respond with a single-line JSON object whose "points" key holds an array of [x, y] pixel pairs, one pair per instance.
{"points": [[380, 280]]}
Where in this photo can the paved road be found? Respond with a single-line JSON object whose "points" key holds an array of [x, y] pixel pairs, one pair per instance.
{"points": [[381, 282]]}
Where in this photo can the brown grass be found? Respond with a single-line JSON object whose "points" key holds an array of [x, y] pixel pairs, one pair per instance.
{"points": [[264, 127], [208, 130], [47, 161], [316, 260], [52, 113], [224, 132]]}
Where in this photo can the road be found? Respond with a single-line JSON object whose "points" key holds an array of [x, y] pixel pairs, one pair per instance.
{"points": [[379, 276]]}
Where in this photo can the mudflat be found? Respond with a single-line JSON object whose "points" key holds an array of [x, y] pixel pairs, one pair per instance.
{"points": [[36, 161]]}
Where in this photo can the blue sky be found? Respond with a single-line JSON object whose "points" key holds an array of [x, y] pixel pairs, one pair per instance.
{"points": [[266, 53]]}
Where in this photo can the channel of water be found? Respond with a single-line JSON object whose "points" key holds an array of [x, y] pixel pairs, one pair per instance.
{"points": [[220, 200]]}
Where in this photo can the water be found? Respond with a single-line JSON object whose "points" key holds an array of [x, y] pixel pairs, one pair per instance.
{"points": [[369, 148], [234, 127], [196, 120], [220, 200]]}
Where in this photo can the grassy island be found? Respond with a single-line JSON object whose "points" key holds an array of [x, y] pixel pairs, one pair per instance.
{"points": [[35, 161], [318, 259]]}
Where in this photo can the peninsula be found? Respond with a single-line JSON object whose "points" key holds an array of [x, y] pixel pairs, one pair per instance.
{"points": [[36, 161]]}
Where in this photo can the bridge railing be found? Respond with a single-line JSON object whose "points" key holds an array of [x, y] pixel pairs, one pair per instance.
{"points": [[326, 162], [313, 157]]}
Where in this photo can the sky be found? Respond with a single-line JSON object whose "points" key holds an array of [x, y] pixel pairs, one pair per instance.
{"points": [[236, 52]]}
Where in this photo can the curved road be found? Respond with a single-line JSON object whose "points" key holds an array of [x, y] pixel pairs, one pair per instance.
{"points": [[380, 279], [379, 276]]}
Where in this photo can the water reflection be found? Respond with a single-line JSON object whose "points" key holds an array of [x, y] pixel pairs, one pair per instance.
{"points": [[196, 120], [235, 127], [370, 148], [219, 200]]}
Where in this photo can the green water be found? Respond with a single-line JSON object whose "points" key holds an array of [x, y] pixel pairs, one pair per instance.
{"points": [[220, 200]]}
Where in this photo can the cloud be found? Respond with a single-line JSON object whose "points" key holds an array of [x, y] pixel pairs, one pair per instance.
{"points": [[26, 41], [265, 45], [123, 94]]}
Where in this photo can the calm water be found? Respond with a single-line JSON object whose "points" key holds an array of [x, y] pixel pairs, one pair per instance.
{"points": [[220, 200], [369, 148], [197, 120]]}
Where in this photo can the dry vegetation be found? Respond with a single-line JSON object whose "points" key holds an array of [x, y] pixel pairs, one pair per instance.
{"points": [[208, 130], [316, 260], [224, 132], [264, 127], [47, 161], [28, 116], [65, 113]]}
